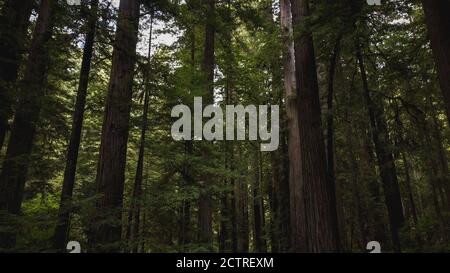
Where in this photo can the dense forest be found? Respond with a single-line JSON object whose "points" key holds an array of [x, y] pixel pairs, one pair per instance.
{"points": [[86, 151]]}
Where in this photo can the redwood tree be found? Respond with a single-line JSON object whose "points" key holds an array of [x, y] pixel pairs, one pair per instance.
{"points": [[295, 185], [205, 209], [111, 167], [317, 226]]}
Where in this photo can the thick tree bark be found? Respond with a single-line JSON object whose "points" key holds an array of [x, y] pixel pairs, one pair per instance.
{"points": [[13, 176], [281, 169], [297, 212], [62, 227], [14, 22], [438, 24], [111, 168], [318, 224], [385, 158], [205, 207]]}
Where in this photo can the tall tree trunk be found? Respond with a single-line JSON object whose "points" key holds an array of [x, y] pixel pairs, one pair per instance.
{"points": [[137, 189], [241, 208], [224, 232], [185, 232], [385, 158], [438, 24], [297, 211], [278, 185], [279, 198], [408, 182], [205, 207], [227, 236], [359, 210], [359, 206], [234, 219], [237, 218], [283, 197], [273, 189], [12, 179], [330, 141], [185, 236], [244, 228], [62, 227], [111, 168], [368, 164], [14, 22], [318, 225], [259, 240]]}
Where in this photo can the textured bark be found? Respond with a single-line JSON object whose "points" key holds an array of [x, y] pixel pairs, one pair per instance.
{"points": [[385, 158], [62, 228], [290, 147], [205, 208], [111, 168], [14, 22], [13, 176], [318, 224], [438, 24], [295, 183]]}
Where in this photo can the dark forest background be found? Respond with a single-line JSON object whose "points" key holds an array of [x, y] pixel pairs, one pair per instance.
{"points": [[86, 153]]}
